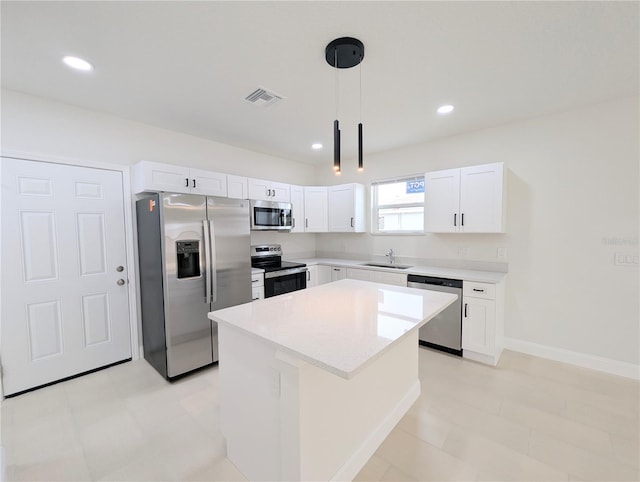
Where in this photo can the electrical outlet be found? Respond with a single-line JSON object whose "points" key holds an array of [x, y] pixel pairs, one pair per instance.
{"points": [[501, 253], [621, 259], [463, 252]]}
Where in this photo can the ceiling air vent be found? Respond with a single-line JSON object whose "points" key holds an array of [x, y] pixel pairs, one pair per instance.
{"points": [[263, 97]]}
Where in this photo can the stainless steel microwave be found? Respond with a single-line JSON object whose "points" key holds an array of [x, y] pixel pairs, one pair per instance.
{"points": [[270, 216]]}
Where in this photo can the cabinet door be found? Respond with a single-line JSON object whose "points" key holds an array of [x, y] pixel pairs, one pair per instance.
{"points": [[208, 182], [481, 190], [361, 274], [338, 273], [346, 208], [154, 176], [442, 201], [324, 274], [259, 189], [297, 208], [279, 192], [397, 279], [237, 187], [478, 325], [315, 209], [312, 276]]}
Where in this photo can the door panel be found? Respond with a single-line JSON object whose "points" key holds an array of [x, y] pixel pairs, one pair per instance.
{"points": [[63, 312]]}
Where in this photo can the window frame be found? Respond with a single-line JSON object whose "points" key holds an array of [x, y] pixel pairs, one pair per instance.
{"points": [[376, 207]]}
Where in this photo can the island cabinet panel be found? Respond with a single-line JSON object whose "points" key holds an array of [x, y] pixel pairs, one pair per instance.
{"points": [[278, 413]]}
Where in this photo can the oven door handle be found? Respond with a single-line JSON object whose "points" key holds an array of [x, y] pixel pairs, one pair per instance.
{"points": [[284, 272]]}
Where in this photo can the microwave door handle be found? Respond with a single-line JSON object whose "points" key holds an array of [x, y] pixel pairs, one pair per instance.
{"points": [[212, 242], [207, 263]]}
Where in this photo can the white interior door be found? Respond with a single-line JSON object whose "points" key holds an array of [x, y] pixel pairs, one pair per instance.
{"points": [[65, 303]]}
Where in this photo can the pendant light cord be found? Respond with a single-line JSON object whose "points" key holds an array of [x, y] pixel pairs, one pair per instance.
{"points": [[360, 70], [335, 65]]}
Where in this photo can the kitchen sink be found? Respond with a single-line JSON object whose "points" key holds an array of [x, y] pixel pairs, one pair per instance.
{"points": [[387, 265]]}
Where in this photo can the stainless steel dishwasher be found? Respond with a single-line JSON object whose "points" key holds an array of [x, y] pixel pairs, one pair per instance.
{"points": [[444, 331]]}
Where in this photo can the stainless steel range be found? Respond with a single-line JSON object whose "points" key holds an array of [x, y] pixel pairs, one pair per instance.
{"points": [[280, 276]]}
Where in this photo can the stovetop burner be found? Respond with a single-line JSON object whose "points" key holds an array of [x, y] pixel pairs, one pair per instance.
{"points": [[269, 258]]}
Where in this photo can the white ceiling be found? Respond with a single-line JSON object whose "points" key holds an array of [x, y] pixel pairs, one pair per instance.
{"points": [[187, 66]]}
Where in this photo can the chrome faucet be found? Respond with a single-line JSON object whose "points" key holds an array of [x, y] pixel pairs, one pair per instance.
{"points": [[391, 256]]}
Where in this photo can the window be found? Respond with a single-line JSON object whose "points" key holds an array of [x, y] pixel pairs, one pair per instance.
{"points": [[398, 205]]}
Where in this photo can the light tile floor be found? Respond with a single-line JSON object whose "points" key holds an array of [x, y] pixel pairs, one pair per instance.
{"points": [[527, 419]]}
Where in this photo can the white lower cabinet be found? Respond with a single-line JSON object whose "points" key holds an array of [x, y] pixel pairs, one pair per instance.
{"points": [[338, 273], [312, 276], [482, 321], [257, 286], [323, 274], [385, 277]]}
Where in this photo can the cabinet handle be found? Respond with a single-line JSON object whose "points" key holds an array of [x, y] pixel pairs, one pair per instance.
{"points": [[194, 183], [462, 219], [465, 310], [255, 280], [293, 222], [306, 222], [273, 192], [308, 276], [455, 215], [351, 222], [478, 290], [336, 269], [186, 182]]}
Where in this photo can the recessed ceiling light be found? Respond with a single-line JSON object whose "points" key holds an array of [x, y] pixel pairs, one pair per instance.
{"points": [[316, 145], [445, 109], [77, 63]]}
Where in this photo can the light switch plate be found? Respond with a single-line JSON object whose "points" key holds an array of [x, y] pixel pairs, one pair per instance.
{"points": [[501, 253]]}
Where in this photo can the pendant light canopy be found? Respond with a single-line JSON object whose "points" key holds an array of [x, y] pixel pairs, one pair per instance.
{"points": [[344, 53]]}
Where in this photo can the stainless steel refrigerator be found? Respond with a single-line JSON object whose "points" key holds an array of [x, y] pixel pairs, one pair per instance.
{"points": [[194, 258]]}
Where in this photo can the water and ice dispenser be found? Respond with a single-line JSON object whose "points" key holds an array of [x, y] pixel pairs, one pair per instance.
{"points": [[188, 252]]}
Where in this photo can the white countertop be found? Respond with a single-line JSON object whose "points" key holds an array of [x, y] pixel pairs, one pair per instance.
{"points": [[453, 273], [340, 326]]}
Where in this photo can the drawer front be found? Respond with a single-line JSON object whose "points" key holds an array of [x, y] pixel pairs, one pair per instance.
{"points": [[474, 289], [257, 293], [257, 279]]}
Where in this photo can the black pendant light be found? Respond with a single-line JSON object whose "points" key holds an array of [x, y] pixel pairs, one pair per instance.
{"points": [[344, 53]]}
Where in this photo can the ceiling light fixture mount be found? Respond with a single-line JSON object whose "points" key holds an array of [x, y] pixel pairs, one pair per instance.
{"points": [[344, 53]]}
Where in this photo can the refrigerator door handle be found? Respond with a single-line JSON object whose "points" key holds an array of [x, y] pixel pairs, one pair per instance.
{"points": [[207, 262], [212, 250]]}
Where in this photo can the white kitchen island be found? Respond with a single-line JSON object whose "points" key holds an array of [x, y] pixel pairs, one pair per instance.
{"points": [[311, 382]]}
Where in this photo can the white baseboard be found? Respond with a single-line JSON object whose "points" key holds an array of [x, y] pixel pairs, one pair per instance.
{"points": [[607, 365]]}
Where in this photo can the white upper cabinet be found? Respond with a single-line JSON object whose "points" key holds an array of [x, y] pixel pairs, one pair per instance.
{"points": [[297, 208], [262, 190], [346, 208], [237, 187], [208, 182], [465, 200], [316, 209], [155, 176]]}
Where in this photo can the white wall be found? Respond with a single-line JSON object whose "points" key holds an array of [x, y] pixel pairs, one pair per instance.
{"points": [[41, 129], [572, 203], [573, 190]]}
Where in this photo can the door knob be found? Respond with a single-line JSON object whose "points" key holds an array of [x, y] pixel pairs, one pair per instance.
{"points": [[120, 282], [120, 269]]}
